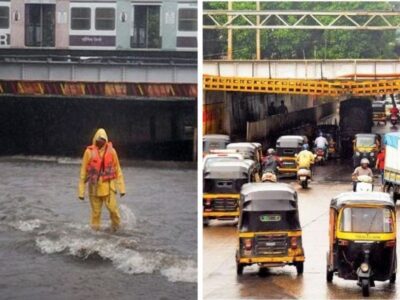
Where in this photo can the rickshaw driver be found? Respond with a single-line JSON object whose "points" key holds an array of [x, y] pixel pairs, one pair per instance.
{"points": [[271, 162]]}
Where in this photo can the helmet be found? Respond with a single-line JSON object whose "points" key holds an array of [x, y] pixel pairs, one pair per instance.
{"points": [[271, 151], [305, 147], [364, 161]]}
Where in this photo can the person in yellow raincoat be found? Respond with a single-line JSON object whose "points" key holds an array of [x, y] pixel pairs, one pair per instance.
{"points": [[102, 171], [305, 159]]}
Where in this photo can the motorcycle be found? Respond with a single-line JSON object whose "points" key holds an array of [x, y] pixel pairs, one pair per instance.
{"points": [[304, 177], [320, 156], [269, 176], [364, 183]]}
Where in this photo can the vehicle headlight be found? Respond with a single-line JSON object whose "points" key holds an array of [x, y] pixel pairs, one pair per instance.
{"points": [[357, 153], [364, 267], [372, 153]]}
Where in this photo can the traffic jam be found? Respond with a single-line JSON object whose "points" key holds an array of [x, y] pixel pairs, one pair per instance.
{"points": [[257, 207]]}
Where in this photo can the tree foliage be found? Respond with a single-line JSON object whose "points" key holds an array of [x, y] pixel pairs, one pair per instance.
{"points": [[303, 44]]}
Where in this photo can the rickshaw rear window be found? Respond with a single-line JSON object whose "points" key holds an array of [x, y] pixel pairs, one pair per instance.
{"points": [[211, 145], [365, 142], [267, 221], [366, 219]]}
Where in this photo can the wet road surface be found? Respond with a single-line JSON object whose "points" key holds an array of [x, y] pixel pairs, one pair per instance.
{"points": [[220, 241], [48, 251]]}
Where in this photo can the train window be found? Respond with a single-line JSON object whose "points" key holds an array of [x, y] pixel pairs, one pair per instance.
{"points": [[80, 18], [4, 17], [187, 19], [146, 26], [105, 18]]}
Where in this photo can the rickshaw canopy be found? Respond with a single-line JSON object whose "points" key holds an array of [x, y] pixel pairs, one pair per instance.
{"points": [[360, 198]]}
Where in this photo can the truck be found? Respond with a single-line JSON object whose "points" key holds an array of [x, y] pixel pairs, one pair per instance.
{"points": [[391, 182], [355, 117]]}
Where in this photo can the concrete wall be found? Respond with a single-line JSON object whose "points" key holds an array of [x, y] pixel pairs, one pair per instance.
{"points": [[62, 126], [240, 108], [271, 128]]}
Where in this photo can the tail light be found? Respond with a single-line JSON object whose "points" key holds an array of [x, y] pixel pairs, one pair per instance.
{"points": [[390, 244], [293, 242], [248, 244]]}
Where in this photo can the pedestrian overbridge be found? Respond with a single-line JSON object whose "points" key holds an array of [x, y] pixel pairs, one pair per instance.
{"points": [[305, 77]]}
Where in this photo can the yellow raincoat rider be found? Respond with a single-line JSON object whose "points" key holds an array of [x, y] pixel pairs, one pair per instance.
{"points": [[102, 171], [305, 159]]}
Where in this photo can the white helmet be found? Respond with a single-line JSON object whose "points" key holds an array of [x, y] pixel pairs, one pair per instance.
{"points": [[271, 151], [364, 161]]}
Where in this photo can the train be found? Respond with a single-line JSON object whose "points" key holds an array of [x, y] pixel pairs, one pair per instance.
{"points": [[87, 25]]}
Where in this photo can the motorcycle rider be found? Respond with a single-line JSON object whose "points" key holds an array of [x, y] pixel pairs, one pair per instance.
{"points": [[321, 143], [305, 159], [271, 162], [362, 170]]}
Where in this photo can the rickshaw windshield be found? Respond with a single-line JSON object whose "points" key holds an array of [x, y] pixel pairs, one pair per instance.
{"points": [[365, 142], [271, 220], [366, 219]]}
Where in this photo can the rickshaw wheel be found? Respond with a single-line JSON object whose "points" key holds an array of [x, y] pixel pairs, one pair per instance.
{"points": [[365, 287], [206, 222], [329, 275], [239, 269], [300, 267], [304, 184], [393, 278]]}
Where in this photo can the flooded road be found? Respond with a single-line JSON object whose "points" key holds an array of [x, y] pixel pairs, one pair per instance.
{"points": [[220, 241], [48, 251]]}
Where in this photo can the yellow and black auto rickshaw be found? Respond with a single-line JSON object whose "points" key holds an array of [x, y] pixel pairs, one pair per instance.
{"points": [[221, 190], [252, 151], [214, 141], [287, 147], [269, 229], [362, 239], [379, 112], [365, 145]]}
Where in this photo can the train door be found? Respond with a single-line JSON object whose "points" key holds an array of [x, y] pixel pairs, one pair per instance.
{"points": [[146, 26], [40, 25]]}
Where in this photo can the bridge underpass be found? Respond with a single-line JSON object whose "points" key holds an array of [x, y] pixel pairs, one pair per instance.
{"points": [[317, 81], [148, 108]]}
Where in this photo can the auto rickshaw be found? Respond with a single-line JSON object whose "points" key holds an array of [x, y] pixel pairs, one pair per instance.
{"points": [[362, 239], [332, 134], [379, 112], [215, 141], [222, 184], [365, 145], [287, 147], [251, 151], [269, 229]]}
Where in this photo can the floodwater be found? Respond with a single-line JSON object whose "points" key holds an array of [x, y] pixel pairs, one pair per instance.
{"points": [[220, 241], [48, 251]]}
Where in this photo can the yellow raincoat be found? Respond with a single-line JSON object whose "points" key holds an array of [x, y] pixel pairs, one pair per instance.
{"points": [[102, 192], [305, 159]]}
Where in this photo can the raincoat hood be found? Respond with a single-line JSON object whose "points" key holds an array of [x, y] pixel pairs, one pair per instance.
{"points": [[100, 133]]}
